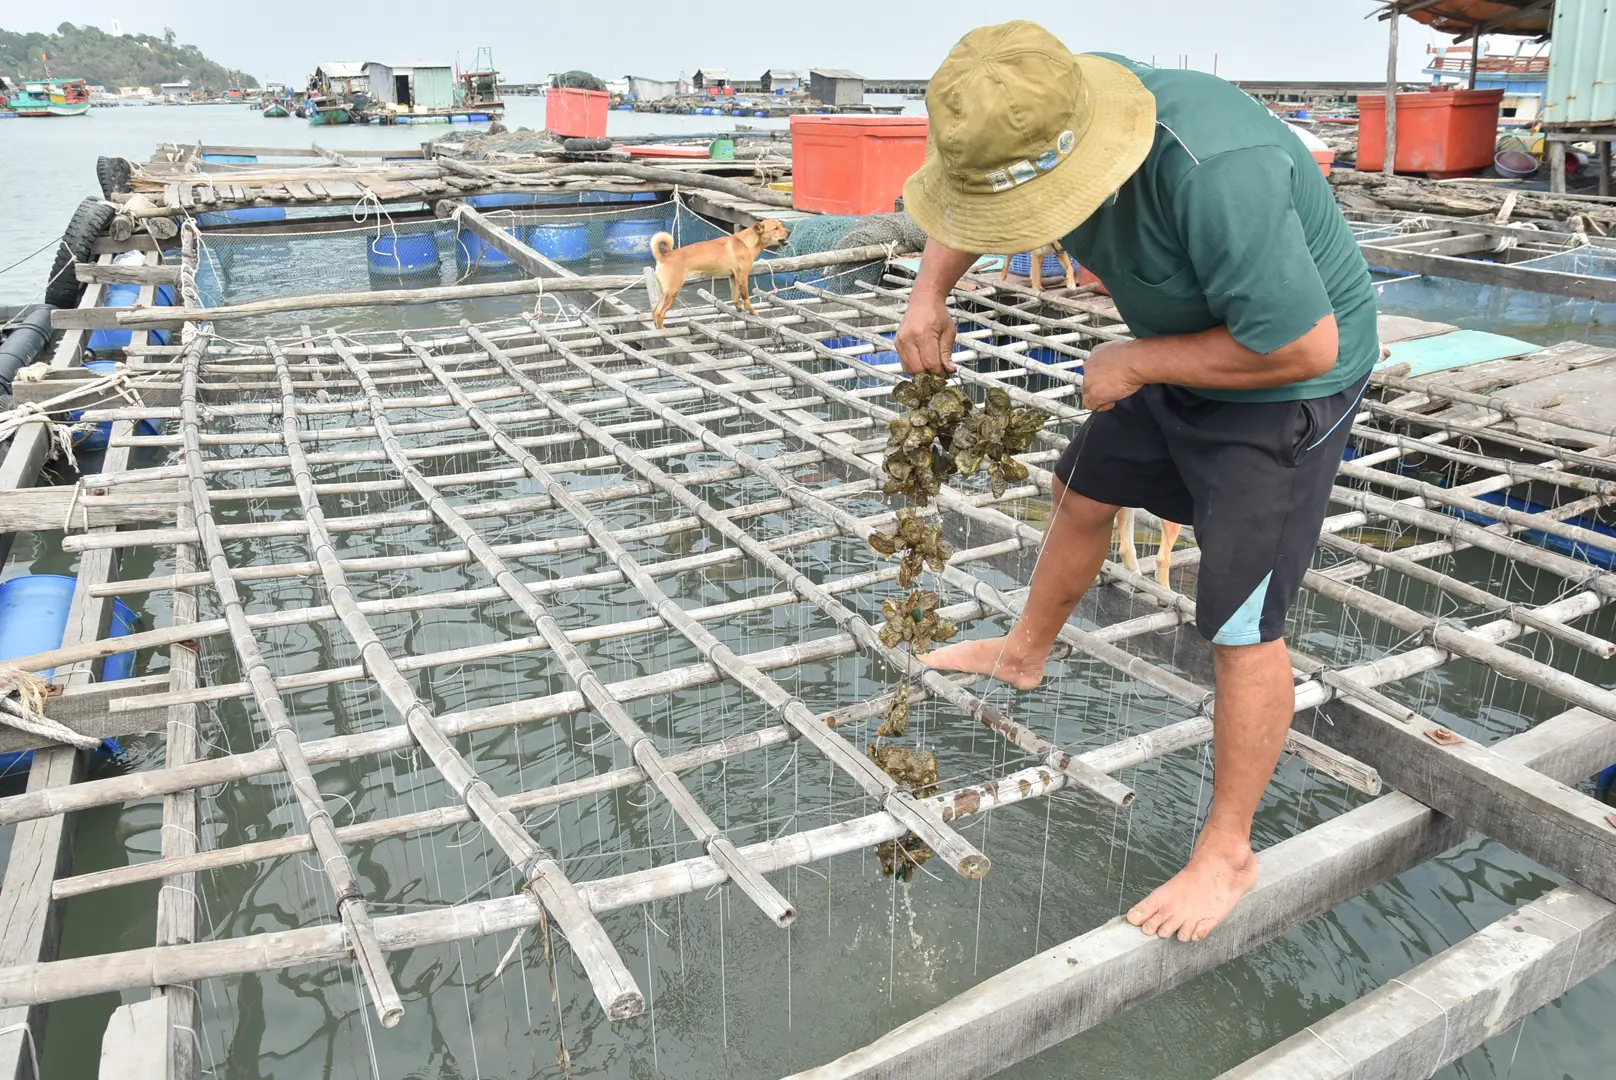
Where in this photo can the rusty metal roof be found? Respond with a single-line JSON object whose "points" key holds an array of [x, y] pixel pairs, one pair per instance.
{"points": [[1528, 18]]}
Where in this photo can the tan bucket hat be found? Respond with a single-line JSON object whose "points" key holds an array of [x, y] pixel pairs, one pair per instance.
{"points": [[1025, 140]]}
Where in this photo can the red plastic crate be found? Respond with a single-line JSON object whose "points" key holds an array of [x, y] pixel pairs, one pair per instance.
{"points": [[1441, 133], [576, 114], [853, 164]]}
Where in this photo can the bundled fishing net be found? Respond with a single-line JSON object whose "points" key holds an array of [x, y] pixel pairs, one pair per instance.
{"points": [[831, 232]]}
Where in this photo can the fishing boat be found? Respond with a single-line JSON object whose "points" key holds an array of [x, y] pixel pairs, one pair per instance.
{"points": [[330, 113], [51, 97], [275, 109]]}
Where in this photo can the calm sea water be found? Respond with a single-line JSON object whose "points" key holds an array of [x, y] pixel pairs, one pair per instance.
{"points": [[731, 995]]}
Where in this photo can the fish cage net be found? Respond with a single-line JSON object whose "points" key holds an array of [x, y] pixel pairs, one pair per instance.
{"points": [[716, 457]]}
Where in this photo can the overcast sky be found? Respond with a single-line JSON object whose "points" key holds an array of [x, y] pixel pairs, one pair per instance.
{"points": [[1257, 39]]}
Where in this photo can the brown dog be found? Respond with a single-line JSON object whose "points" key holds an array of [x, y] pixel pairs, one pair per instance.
{"points": [[727, 256], [1036, 269], [1130, 557]]}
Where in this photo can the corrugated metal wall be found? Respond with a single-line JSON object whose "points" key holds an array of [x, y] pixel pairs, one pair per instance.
{"points": [[381, 82], [434, 87], [1582, 64]]}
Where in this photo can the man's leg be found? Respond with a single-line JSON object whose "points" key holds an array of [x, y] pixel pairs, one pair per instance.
{"points": [[1075, 543], [1255, 700]]}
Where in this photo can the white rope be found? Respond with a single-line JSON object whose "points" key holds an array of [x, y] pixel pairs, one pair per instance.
{"points": [[22, 706]]}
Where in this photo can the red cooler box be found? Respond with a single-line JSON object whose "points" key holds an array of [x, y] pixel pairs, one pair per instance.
{"points": [[853, 164], [1441, 133], [576, 114]]}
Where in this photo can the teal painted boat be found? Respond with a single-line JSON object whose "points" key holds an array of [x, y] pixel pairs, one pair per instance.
{"points": [[275, 110], [330, 116]]}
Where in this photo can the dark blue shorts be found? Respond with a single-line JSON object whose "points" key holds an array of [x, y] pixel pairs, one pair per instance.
{"points": [[1252, 477]]}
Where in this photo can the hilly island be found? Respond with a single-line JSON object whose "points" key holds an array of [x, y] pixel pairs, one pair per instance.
{"points": [[112, 61]]}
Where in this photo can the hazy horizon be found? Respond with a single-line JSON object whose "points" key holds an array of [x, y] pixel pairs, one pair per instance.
{"points": [[1268, 39]]}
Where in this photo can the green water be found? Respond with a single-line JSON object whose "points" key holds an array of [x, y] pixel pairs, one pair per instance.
{"points": [[730, 994]]}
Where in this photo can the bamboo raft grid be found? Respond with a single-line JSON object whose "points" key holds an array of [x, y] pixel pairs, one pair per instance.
{"points": [[714, 390]]}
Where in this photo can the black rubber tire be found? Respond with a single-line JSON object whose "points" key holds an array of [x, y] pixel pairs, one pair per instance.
{"points": [[113, 173], [89, 221], [585, 146]]}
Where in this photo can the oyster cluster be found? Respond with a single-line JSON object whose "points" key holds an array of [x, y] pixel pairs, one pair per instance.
{"points": [[914, 621], [992, 435], [916, 771], [943, 433], [917, 544]]}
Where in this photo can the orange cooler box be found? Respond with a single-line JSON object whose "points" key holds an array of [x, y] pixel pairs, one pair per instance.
{"points": [[1441, 133], [853, 164], [576, 114]]}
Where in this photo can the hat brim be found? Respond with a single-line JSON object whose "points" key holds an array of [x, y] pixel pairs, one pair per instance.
{"points": [[1116, 140]]}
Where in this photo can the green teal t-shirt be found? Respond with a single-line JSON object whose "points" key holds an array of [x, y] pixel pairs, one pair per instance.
{"points": [[1229, 222]]}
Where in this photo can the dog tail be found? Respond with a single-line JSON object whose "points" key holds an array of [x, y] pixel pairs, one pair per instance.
{"points": [[661, 245]]}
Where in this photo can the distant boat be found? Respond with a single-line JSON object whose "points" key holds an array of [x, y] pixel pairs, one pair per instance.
{"points": [[51, 97], [275, 109]]}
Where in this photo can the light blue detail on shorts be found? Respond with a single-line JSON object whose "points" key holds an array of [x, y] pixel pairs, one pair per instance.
{"points": [[1245, 625]]}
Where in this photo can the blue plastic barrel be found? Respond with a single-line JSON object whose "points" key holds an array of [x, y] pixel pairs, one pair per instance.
{"points": [[244, 215], [405, 254], [631, 239], [124, 295], [563, 242], [1021, 265], [97, 439], [473, 252], [625, 108], [231, 159], [33, 617], [513, 198], [1605, 786]]}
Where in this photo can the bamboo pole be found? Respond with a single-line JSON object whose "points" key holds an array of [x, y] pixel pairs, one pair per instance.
{"points": [[350, 901], [948, 845]]}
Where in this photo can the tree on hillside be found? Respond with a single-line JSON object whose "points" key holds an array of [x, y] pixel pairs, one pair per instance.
{"points": [[132, 60]]}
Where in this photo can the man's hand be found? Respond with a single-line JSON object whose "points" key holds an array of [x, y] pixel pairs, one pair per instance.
{"points": [[1109, 375], [926, 336]]}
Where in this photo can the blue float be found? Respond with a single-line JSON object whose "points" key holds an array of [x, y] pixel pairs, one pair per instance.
{"points": [[513, 198], [33, 617], [231, 159], [1605, 786], [124, 295], [565, 243], [474, 253], [245, 215], [405, 254], [98, 438], [632, 239]]}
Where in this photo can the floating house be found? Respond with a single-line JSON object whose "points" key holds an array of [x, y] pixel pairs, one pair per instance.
{"points": [[836, 86], [340, 78], [645, 88], [1523, 79], [418, 84], [776, 81], [711, 79]]}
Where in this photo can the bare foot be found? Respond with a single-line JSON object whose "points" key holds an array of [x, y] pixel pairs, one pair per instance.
{"points": [[993, 657], [1201, 895]]}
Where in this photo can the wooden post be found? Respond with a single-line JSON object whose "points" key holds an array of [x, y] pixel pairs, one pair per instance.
{"points": [[1604, 165], [1475, 56], [1555, 148], [1389, 168]]}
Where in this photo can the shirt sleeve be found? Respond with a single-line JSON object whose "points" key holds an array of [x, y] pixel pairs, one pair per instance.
{"points": [[1246, 242]]}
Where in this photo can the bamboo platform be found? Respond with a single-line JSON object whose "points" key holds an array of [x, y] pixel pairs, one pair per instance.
{"points": [[533, 460]]}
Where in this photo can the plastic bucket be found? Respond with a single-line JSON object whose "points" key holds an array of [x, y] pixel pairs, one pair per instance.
{"points": [[98, 439], [472, 252], [565, 243], [33, 617], [632, 239], [1021, 265], [1515, 164], [405, 254]]}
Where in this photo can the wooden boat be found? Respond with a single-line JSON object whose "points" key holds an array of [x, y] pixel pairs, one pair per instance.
{"points": [[275, 110], [328, 113], [51, 97]]}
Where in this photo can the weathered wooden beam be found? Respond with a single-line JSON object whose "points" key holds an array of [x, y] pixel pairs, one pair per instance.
{"points": [[1455, 1001], [1514, 804], [133, 1045], [84, 708], [114, 274], [501, 241], [1092, 978], [1554, 282], [34, 509]]}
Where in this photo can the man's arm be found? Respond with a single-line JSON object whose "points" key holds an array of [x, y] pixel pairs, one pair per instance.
{"points": [[926, 337], [1209, 360]]}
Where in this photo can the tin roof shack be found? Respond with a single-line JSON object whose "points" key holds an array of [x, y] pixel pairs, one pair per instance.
{"points": [[418, 84], [340, 79], [711, 79], [836, 86], [776, 81], [643, 88]]}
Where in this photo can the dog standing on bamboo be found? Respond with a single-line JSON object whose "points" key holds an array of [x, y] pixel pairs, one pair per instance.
{"points": [[726, 256]]}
